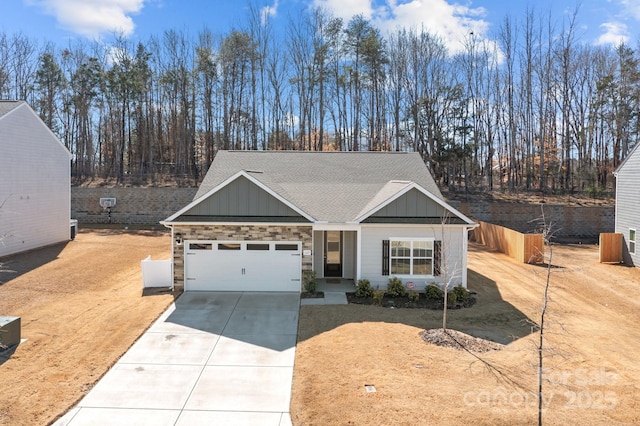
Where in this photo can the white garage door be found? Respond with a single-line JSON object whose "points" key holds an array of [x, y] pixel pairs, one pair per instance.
{"points": [[242, 266]]}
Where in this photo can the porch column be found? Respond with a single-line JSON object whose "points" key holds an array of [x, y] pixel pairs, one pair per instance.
{"points": [[358, 253]]}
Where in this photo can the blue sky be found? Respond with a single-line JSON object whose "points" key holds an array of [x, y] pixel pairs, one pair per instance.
{"points": [[57, 21]]}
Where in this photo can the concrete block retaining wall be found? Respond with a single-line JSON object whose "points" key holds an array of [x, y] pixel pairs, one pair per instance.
{"points": [[148, 206], [567, 222], [134, 206]]}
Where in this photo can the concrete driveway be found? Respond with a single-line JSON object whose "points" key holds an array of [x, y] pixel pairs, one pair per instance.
{"points": [[211, 358]]}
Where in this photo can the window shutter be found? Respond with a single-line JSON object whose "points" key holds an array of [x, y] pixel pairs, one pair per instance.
{"points": [[385, 257], [437, 258]]}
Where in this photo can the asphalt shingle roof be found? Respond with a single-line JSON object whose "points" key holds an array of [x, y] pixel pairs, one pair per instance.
{"points": [[334, 187], [7, 106]]}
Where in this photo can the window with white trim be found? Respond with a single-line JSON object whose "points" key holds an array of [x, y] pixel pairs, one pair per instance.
{"points": [[632, 241], [411, 256]]}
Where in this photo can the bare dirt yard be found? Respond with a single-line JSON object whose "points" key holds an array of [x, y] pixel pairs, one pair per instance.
{"points": [[591, 368], [82, 306]]}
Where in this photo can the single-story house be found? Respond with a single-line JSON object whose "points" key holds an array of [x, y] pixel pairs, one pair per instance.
{"points": [[628, 205], [35, 181], [261, 218]]}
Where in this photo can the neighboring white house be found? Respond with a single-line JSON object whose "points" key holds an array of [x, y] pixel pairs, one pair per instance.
{"points": [[35, 181], [628, 205], [260, 219]]}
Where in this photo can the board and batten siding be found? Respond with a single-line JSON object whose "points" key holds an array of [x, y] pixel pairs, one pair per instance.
{"points": [[628, 204], [35, 183], [412, 204], [453, 252], [242, 198]]}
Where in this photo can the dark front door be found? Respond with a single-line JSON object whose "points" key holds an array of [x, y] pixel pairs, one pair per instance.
{"points": [[333, 254]]}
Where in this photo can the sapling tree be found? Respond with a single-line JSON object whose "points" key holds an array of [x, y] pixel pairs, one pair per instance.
{"points": [[546, 235], [447, 272]]}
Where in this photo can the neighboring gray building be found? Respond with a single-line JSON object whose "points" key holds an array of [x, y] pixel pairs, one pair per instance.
{"points": [[628, 205], [35, 181], [261, 218]]}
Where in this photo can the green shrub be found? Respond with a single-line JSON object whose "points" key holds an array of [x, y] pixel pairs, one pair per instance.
{"points": [[364, 289], [433, 292], [452, 298], [395, 288], [413, 295], [309, 282], [378, 295], [461, 293]]}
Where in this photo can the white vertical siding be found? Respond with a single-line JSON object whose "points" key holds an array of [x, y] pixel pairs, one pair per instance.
{"points": [[34, 183], [453, 253], [628, 203]]}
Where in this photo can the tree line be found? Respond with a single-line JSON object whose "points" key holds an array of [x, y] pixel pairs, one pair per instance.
{"points": [[534, 108]]}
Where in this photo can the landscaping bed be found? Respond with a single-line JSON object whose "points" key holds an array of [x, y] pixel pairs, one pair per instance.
{"points": [[422, 302]]}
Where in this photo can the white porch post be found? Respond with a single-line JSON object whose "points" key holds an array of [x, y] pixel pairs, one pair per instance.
{"points": [[358, 253], [465, 253]]}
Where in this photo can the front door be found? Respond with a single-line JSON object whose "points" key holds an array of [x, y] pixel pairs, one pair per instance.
{"points": [[333, 254]]}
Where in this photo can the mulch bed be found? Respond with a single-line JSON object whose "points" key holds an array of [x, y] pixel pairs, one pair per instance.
{"points": [[405, 302], [458, 340]]}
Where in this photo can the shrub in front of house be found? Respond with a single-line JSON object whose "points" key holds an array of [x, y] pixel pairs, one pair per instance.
{"points": [[363, 288], [433, 292], [461, 293], [395, 288], [309, 282], [413, 296], [378, 295], [452, 299]]}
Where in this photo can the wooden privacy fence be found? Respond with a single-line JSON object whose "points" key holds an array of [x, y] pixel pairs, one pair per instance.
{"points": [[527, 248], [611, 247]]}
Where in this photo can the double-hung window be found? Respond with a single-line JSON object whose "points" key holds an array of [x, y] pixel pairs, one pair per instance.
{"points": [[411, 256], [632, 241]]}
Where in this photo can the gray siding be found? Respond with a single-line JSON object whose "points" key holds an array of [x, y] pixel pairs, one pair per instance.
{"points": [[412, 204], [242, 198], [628, 204]]}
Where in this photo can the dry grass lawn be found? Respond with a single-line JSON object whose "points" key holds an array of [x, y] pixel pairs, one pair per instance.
{"points": [[591, 358], [82, 307]]}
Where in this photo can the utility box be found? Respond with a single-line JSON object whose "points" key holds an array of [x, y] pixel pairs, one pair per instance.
{"points": [[9, 332], [73, 223]]}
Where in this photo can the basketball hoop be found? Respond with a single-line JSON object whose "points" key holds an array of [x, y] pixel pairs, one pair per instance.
{"points": [[106, 204]]}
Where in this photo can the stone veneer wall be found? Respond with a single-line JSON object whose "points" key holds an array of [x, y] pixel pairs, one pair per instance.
{"points": [[134, 206], [238, 233], [568, 222]]}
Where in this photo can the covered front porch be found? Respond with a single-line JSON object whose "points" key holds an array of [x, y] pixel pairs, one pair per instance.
{"points": [[335, 257], [329, 285]]}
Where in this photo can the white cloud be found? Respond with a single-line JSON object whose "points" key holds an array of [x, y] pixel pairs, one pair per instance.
{"points": [[92, 18], [614, 33], [632, 7], [269, 12], [451, 21], [346, 9]]}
